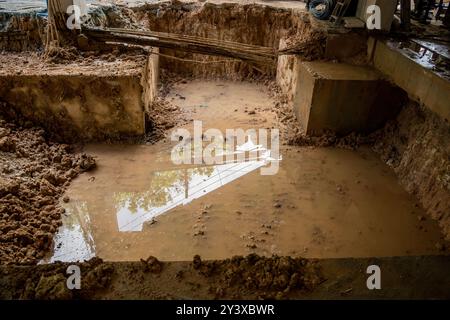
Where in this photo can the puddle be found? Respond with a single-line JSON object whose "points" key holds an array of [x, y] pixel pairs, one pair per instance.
{"points": [[322, 203], [74, 241]]}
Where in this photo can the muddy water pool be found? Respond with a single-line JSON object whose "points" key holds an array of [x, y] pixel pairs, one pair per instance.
{"points": [[322, 203]]}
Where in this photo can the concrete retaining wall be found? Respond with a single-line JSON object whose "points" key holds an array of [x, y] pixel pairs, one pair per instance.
{"points": [[422, 84]]}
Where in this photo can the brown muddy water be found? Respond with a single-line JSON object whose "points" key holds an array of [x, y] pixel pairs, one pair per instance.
{"points": [[322, 203]]}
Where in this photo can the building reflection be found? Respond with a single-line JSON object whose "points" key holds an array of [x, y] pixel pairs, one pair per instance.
{"points": [[173, 188]]}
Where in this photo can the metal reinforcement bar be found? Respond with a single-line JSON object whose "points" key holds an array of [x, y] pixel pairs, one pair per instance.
{"points": [[246, 52]]}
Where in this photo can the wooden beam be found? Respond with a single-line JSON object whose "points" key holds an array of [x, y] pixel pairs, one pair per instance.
{"points": [[246, 52]]}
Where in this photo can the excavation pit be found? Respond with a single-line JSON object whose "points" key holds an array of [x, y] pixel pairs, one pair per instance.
{"points": [[332, 197], [323, 202]]}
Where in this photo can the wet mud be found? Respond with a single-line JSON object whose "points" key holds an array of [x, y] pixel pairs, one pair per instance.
{"points": [[34, 174]]}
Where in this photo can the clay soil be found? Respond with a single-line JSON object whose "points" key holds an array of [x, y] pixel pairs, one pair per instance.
{"points": [[250, 277], [34, 172], [416, 146]]}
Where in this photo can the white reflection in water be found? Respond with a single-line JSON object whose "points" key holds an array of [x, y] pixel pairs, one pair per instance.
{"points": [[73, 241], [172, 188]]}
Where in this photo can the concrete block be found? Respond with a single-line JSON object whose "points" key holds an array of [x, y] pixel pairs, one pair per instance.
{"points": [[339, 46], [343, 98], [90, 100]]}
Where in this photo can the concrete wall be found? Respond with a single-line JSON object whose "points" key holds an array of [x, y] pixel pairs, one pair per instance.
{"points": [[421, 84]]}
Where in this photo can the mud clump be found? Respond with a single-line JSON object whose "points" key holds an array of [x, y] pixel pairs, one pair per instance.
{"points": [[161, 117], [97, 277], [34, 172], [152, 264], [270, 277], [62, 54], [197, 262], [49, 282], [52, 287]]}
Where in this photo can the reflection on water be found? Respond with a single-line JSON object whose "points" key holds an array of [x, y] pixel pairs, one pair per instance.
{"points": [[73, 241], [172, 188], [168, 189], [322, 203]]}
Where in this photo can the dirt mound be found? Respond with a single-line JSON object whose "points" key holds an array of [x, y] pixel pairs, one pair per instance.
{"points": [[49, 282], [162, 117], [34, 173], [272, 277], [248, 277], [62, 54]]}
